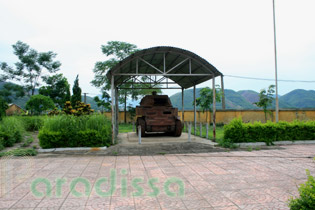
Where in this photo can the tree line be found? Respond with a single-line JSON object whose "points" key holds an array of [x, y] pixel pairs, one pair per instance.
{"points": [[34, 68]]}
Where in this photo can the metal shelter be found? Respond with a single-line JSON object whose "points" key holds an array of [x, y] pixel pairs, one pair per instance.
{"points": [[167, 67]]}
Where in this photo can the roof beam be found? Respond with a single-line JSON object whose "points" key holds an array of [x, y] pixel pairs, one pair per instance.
{"points": [[151, 65], [165, 75]]}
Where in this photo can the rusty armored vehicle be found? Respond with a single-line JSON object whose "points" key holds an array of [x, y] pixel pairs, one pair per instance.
{"points": [[156, 114]]}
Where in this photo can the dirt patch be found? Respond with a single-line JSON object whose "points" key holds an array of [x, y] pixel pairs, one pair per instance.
{"points": [[154, 149]]}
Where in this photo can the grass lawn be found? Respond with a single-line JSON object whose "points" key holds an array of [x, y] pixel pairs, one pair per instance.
{"points": [[219, 131], [125, 128]]}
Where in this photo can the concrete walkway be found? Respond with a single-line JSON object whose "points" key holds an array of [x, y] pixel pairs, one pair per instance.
{"points": [[262, 179], [132, 138]]}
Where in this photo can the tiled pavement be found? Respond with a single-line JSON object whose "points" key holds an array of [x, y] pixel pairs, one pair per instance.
{"points": [[262, 179]]}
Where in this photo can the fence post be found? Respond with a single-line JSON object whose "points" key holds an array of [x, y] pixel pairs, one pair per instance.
{"points": [[189, 132], [139, 133], [207, 130], [200, 129], [133, 126]]}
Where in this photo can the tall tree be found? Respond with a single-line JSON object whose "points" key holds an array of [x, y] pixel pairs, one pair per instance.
{"points": [[103, 102], [31, 66], [206, 99], [117, 51], [11, 91], [39, 103], [58, 89], [3, 107], [76, 92], [265, 99]]}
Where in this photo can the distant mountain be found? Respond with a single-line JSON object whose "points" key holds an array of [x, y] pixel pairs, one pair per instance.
{"points": [[250, 95], [244, 99], [90, 100], [300, 98], [253, 96], [233, 100]]}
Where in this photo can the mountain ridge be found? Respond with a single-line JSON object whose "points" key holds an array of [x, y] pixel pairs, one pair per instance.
{"points": [[245, 99]]}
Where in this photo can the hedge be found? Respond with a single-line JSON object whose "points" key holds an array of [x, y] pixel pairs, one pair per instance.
{"points": [[237, 131], [73, 131]]}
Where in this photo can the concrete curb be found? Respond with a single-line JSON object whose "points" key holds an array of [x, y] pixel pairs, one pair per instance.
{"points": [[276, 143], [72, 149]]}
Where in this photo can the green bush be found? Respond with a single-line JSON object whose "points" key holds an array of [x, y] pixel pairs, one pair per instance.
{"points": [[5, 139], [1, 145], [38, 104], [51, 139], [307, 195], [226, 143], [73, 131], [237, 131], [33, 123], [11, 131], [3, 107]]}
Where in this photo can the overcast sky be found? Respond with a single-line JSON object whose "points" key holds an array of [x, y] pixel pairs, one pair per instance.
{"points": [[236, 36]]}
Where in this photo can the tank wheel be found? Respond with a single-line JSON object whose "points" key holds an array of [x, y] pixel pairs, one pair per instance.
{"points": [[141, 122], [178, 128]]}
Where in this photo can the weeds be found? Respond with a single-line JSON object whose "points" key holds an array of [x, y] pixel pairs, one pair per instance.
{"points": [[249, 149], [11, 131], [73, 131], [20, 152], [27, 142]]}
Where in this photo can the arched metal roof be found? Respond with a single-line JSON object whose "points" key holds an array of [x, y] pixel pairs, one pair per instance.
{"points": [[183, 67]]}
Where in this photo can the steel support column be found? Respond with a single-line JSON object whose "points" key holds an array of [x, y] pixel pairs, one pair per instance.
{"points": [[113, 109], [116, 113], [213, 108], [195, 115], [183, 109], [223, 95]]}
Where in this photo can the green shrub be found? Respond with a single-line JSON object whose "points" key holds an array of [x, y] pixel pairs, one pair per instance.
{"points": [[38, 104], [11, 131], [3, 107], [33, 123], [6, 140], [234, 131], [226, 143], [90, 138], [79, 109], [50, 139], [307, 195], [237, 131], [73, 131]]}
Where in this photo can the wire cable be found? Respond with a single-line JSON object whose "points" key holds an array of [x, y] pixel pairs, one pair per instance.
{"points": [[280, 80]]}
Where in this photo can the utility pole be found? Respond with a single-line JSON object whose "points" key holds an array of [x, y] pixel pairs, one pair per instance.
{"points": [[85, 97], [276, 69]]}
